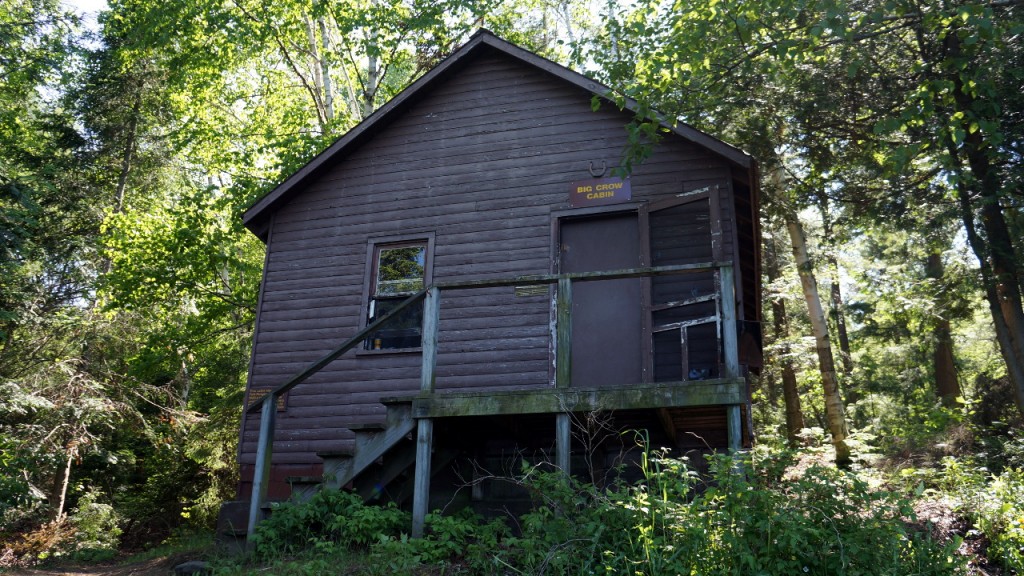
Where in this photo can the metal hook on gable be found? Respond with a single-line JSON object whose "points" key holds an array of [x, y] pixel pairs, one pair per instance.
{"points": [[596, 174]]}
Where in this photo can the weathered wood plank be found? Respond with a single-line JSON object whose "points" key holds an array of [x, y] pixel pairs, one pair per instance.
{"points": [[636, 396], [431, 316], [563, 334], [421, 481], [264, 454], [563, 443]]}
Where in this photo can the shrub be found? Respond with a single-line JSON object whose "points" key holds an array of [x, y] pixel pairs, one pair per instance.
{"points": [[97, 533], [330, 517], [994, 503], [824, 522], [745, 518]]}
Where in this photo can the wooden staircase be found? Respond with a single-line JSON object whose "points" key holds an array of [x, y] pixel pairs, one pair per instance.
{"points": [[381, 457], [372, 443]]}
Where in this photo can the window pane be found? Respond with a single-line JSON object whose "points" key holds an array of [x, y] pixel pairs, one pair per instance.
{"points": [[401, 331], [400, 270]]}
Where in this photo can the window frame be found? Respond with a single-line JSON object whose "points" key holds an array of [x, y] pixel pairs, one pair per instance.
{"points": [[373, 247]]}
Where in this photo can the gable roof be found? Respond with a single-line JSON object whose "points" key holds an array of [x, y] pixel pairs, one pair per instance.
{"points": [[482, 41]]}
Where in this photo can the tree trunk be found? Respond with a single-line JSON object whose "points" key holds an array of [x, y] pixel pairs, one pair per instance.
{"points": [[59, 492], [947, 384], [839, 318], [780, 324], [836, 301], [126, 164], [372, 71], [325, 69], [996, 252], [129, 153], [834, 413]]}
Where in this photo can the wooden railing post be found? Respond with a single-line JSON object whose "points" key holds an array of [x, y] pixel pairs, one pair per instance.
{"points": [[729, 342], [731, 353], [563, 334], [428, 344], [425, 426], [264, 451], [563, 368]]}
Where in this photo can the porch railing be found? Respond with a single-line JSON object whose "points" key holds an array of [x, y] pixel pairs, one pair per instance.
{"points": [[430, 296]]}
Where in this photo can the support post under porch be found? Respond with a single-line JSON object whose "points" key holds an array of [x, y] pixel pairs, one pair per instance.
{"points": [[563, 442], [421, 481], [425, 426]]}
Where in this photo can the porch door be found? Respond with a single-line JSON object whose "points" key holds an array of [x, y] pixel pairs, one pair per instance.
{"points": [[607, 318]]}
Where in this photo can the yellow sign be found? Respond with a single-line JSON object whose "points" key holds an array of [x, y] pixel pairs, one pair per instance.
{"points": [[599, 191]]}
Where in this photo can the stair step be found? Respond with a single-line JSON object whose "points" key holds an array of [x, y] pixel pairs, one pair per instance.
{"points": [[392, 400], [369, 427], [365, 437], [325, 454], [371, 444], [398, 413], [304, 487], [337, 465]]}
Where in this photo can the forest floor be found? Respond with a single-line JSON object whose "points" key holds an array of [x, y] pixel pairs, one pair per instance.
{"points": [[159, 566]]}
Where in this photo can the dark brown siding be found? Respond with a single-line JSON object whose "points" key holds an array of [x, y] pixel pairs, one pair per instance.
{"points": [[481, 162]]}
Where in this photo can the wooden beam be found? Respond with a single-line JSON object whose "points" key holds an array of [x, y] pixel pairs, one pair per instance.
{"points": [[431, 316], [421, 481], [264, 452], [563, 442], [730, 347], [587, 276], [715, 392], [668, 425], [732, 415], [563, 334]]}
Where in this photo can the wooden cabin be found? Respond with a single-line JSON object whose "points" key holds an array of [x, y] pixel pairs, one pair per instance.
{"points": [[461, 283]]}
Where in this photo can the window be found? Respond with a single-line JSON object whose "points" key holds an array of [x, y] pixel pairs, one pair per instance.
{"points": [[398, 271]]}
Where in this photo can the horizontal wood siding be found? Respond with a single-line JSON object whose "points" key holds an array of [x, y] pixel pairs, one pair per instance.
{"points": [[481, 162]]}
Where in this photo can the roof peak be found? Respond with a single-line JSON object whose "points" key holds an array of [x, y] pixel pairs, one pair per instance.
{"points": [[255, 216]]}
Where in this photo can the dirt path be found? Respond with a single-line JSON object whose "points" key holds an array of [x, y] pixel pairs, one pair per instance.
{"points": [[155, 567]]}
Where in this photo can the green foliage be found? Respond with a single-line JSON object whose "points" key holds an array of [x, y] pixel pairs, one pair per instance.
{"points": [[760, 515], [460, 542], [822, 522], [329, 518], [97, 533], [994, 503]]}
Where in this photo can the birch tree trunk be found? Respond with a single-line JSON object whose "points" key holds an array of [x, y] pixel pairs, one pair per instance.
{"points": [[372, 72], [59, 492], [780, 324], [836, 300], [325, 68], [316, 71], [834, 413]]}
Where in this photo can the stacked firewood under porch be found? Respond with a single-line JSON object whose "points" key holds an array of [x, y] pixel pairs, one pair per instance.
{"points": [[382, 452]]}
